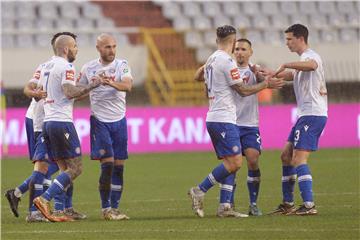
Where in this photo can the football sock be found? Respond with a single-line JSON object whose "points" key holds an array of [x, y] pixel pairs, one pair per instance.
{"points": [[232, 200], [288, 183], [226, 188], [305, 184], [253, 183], [57, 187], [117, 185], [22, 188], [59, 201], [52, 168], [218, 174], [35, 188], [68, 196], [105, 183]]}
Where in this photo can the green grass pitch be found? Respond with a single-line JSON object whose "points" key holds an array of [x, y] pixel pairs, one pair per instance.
{"points": [[155, 197]]}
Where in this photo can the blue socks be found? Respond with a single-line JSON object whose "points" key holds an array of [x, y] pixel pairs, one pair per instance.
{"points": [[253, 183], [117, 182], [288, 183], [25, 185], [68, 196], [58, 186], [217, 175], [226, 189], [305, 184], [35, 188], [105, 183]]}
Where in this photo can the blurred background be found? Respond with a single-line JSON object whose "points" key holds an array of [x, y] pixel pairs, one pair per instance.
{"points": [[166, 41]]}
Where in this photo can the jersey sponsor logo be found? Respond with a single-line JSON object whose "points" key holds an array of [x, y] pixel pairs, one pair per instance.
{"points": [[235, 75], [69, 75], [37, 75]]}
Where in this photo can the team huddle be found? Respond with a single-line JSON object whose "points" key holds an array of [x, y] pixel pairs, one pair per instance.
{"points": [[232, 121]]}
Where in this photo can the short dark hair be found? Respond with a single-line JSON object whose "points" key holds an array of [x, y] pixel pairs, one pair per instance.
{"points": [[299, 30], [224, 31], [60, 34], [244, 40]]}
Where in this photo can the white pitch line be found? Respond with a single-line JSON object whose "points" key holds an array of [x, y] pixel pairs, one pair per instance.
{"points": [[181, 230]]}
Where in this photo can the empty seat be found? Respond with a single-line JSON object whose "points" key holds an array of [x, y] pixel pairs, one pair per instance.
{"points": [[83, 39], [24, 40], [250, 8], [231, 8], [8, 10], [270, 8], [329, 35], [326, 7], [318, 21], [182, 23], [64, 24], [25, 10], [288, 7], [43, 39], [260, 21], [171, 9], [272, 37], [193, 39], [299, 18], [337, 20], [71, 10], [241, 21], [202, 54], [353, 19], [280, 21], [348, 35], [7, 24], [201, 23], [84, 24], [307, 7], [191, 9], [48, 10], [90, 10], [106, 23], [314, 36], [346, 7], [7, 41], [254, 36], [24, 24], [42, 24], [210, 38], [221, 20], [211, 9]]}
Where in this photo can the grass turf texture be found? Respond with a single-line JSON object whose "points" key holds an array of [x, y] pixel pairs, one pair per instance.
{"points": [[155, 197]]}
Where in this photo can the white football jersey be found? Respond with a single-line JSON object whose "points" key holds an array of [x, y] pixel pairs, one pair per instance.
{"points": [[35, 79], [57, 72], [220, 74], [107, 103], [310, 88], [247, 108]]}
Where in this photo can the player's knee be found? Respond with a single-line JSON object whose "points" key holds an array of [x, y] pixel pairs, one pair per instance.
{"points": [[285, 158], [105, 176], [75, 170], [234, 163]]}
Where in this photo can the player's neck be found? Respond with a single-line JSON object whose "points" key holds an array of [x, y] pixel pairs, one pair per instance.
{"points": [[62, 56], [302, 49], [105, 63], [227, 49], [243, 65]]}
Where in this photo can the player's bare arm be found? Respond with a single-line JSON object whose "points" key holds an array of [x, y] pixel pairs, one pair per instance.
{"points": [[306, 66], [32, 91], [125, 85], [199, 74], [246, 90], [77, 91]]}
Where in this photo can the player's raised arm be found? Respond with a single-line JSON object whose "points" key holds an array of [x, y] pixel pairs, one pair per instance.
{"points": [[125, 85], [199, 74], [76, 91]]}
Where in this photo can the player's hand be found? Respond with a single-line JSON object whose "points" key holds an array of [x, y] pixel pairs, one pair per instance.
{"points": [[266, 72], [39, 94], [279, 70], [96, 81], [275, 83]]}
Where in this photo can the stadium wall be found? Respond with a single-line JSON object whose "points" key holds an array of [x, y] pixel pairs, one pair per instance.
{"points": [[183, 129]]}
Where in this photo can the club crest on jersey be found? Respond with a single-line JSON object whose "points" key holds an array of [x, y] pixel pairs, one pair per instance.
{"points": [[235, 75], [112, 70], [235, 149], [69, 75]]}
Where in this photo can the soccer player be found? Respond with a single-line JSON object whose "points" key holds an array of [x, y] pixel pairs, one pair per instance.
{"points": [[108, 129], [39, 155], [57, 79], [311, 97], [223, 81]]}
